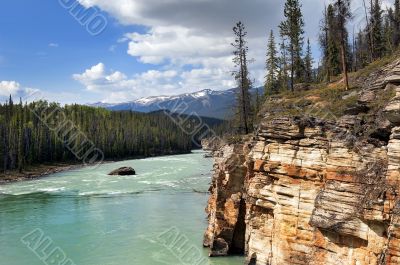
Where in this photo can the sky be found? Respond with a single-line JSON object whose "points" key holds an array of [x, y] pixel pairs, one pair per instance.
{"points": [[85, 51]]}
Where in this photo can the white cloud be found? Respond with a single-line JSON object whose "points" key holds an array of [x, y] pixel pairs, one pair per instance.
{"points": [[191, 34], [54, 45], [14, 89], [9, 88], [197, 34], [96, 79], [115, 86], [177, 44]]}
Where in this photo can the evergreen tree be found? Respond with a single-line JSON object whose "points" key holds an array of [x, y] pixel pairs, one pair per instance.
{"points": [[308, 61], [388, 32], [396, 23], [271, 84], [283, 78], [323, 42], [376, 30], [292, 29], [333, 43], [329, 42], [26, 138], [362, 50], [343, 16], [258, 101], [241, 74]]}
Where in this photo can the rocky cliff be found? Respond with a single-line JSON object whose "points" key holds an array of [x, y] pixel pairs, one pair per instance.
{"points": [[312, 190]]}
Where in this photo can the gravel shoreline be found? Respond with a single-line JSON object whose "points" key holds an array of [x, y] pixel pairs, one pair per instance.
{"points": [[35, 172]]}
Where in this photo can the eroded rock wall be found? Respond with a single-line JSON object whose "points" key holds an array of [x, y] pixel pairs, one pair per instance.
{"points": [[302, 191]]}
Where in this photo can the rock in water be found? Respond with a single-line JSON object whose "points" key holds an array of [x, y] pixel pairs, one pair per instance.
{"points": [[123, 171]]}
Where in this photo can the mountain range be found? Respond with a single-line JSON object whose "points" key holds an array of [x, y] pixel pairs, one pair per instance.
{"points": [[204, 103]]}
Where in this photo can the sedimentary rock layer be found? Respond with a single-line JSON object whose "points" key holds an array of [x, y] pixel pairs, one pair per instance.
{"points": [[303, 191]]}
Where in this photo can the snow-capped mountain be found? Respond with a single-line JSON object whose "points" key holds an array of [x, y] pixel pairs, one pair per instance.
{"points": [[205, 103]]}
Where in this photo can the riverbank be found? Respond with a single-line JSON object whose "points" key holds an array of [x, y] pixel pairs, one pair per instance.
{"points": [[35, 172], [40, 171]]}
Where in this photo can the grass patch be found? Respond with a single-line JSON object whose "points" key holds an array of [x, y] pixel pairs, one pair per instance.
{"points": [[325, 101], [374, 66]]}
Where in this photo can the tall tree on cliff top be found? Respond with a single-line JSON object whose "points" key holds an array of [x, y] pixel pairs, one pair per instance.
{"points": [[376, 30], [283, 78], [333, 42], [272, 63], [388, 32], [329, 43], [241, 74], [308, 61], [396, 23], [323, 42], [343, 16], [292, 30]]}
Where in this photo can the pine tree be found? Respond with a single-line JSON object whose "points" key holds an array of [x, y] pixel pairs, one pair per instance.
{"points": [[376, 30], [283, 78], [292, 29], [396, 23], [20, 132], [343, 15], [330, 45], [388, 32], [308, 61], [323, 42], [241, 74], [26, 140], [258, 101], [271, 79]]}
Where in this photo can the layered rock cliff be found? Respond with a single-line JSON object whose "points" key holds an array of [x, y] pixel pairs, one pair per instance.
{"points": [[312, 190]]}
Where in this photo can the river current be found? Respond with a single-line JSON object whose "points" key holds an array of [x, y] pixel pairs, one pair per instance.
{"points": [[85, 217]]}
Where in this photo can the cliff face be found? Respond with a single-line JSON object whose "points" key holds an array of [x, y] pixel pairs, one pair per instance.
{"points": [[311, 191]]}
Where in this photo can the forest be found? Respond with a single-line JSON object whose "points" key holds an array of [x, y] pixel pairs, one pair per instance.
{"points": [[42, 132], [289, 63]]}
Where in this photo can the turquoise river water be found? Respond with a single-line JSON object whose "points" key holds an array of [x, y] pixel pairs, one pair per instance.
{"points": [[85, 217]]}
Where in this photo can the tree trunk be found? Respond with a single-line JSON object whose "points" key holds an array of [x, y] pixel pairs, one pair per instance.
{"points": [[242, 84], [292, 69], [370, 44], [344, 61], [328, 69], [342, 46]]}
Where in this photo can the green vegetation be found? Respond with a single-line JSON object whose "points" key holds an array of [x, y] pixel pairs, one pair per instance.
{"points": [[321, 101], [42, 132], [293, 87], [292, 30], [271, 84], [244, 108]]}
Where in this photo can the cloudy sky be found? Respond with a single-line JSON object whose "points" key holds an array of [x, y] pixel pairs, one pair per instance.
{"points": [[128, 49]]}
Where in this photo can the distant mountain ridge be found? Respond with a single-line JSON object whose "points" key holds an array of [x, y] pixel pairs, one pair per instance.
{"points": [[205, 103]]}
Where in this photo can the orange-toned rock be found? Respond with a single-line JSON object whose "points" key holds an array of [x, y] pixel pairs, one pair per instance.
{"points": [[304, 203], [259, 165], [299, 193]]}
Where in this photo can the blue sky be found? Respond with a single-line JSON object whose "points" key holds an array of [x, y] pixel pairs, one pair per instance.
{"points": [[43, 45], [149, 47]]}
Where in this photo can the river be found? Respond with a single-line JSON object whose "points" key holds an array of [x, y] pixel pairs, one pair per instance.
{"points": [[85, 217]]}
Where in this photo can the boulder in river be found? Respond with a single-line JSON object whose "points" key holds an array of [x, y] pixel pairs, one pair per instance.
{"points": [[123, 171]]}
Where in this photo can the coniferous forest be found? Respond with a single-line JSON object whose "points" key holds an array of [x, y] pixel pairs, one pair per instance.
{"points": [[42, 132], [346, 47]]}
